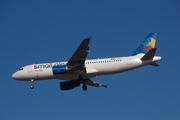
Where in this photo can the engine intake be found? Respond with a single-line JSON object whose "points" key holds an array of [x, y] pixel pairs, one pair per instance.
{"points": [[68, 85]]}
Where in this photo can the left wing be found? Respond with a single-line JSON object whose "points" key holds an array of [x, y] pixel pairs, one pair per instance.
{"points": [[79, 56], [87, 82], [92, 83]]}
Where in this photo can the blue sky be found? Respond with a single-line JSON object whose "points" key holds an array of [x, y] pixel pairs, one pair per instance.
{"points": [[40, 31]]}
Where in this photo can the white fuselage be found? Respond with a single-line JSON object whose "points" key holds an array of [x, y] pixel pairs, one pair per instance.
{"points": [[94, 67]]}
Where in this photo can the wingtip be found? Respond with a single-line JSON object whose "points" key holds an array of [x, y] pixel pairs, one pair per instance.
{"points": [[90, 37]]}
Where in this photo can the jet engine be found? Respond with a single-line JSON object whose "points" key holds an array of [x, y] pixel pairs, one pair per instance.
{"points": [[59, 69], [68, 85]]}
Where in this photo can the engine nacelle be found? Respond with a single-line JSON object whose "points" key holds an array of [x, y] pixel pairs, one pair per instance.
{"points": [[59, 69], [68, 85]]}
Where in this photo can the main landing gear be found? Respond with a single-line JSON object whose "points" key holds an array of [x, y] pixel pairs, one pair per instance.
{"points": [[84, 87], [32, 83]]}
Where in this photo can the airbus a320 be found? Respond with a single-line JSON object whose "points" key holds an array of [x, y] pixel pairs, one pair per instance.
{"points": [[78, 70]]}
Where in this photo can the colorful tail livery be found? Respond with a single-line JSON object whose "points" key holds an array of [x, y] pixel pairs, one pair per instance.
{"points": [[147, 44]]}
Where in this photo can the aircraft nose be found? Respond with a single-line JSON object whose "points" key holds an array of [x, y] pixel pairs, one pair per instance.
{"points": [[15, 76]]}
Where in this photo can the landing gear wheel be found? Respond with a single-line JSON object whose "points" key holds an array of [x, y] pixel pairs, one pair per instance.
{"points": [[32, 83], [84, 87], [31, 86]]}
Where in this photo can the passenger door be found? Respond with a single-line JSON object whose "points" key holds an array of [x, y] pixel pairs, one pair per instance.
{"points": [[30, 69]]}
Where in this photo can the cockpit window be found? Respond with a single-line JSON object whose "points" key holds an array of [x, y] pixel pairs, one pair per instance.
{"points": [[21, 69]]}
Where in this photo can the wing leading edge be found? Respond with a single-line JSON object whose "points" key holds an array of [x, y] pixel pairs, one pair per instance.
{"points": [[79, 56]]}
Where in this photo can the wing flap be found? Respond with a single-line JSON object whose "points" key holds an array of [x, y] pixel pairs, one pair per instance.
{"points": [[88, 82], [92, 83]]}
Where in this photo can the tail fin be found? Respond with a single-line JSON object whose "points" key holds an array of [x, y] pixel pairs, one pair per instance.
{"points": [[147, 44]]}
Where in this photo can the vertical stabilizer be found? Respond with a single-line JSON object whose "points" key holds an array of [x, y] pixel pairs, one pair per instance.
{"points": [[147, 44]]}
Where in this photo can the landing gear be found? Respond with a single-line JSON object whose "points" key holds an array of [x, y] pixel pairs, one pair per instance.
{"points": [[80, 77], [31, 87], [32, 83], [84, 87]]}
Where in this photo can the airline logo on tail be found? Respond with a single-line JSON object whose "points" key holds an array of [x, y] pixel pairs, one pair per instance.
{"points": [[147, 44]]}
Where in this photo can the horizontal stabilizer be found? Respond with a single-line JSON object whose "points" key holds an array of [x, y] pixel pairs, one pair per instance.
{"points": [[154, 64], [149, 55]]}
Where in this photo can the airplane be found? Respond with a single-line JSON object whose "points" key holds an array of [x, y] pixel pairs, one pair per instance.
{"points": [[78, 70]]}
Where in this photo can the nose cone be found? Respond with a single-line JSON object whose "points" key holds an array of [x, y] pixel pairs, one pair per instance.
{"points": [[15, 76]]}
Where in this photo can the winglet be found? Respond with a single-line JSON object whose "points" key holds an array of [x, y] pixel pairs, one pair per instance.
{"points": [[149, 55], [90, 37]]}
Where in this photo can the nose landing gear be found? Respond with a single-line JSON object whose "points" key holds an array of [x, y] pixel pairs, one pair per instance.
{"points": [[31, 87], [32, 83]]}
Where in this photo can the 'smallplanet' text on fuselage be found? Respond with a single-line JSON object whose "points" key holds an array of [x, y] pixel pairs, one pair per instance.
{"points": [[48, 65]]}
